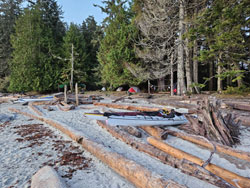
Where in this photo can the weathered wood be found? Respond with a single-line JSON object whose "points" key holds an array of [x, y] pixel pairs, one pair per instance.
{"points": [[238, 105], [230, 177], [185, 166], [191, 107], [55, 124], [126, 107], [65, 106], [76, 94], [155, 131], [65, 94], [133, 172], [120, 98], [199, 140], [131, 130], [35, 109]]}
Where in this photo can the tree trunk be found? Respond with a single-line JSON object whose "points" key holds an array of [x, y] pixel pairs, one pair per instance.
{"points": [[172, 75], [187, 65], [219, 71], [195, 65], [239, 81], [161, 84], [181, 86], [72, 68], [211, 74]]}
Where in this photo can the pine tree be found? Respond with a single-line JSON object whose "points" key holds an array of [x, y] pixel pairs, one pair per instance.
{"points": [[116, 49], [92, 34], [10, 10], [221, 31], [33, 68]]}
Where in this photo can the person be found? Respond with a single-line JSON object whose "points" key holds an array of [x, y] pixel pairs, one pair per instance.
{"points": [[175, 89]]}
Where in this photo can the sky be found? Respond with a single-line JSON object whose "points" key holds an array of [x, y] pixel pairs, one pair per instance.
{"points": [[78, 10]]}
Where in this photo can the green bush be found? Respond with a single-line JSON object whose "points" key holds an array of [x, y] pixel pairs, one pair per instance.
{"points": [[237, 90]]}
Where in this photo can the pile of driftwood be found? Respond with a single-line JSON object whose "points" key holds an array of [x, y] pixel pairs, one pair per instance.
{"points": [[213, 124]]}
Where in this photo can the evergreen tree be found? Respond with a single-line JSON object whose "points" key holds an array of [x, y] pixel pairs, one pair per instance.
{"points": [[92, 34], [9, 11], [74, 39], [116, 49], [33, 68], [221, 30]]}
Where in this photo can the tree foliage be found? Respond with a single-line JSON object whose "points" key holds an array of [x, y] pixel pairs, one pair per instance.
{"points": [[9, 11], [33, 68], [116, 49]]}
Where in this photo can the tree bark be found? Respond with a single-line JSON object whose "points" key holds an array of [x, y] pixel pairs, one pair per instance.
{"points": [[181, 86], [219, 71], [211, 74], [72, 68], [161, 84], [195, 65], [187, 65], [172, 75]]}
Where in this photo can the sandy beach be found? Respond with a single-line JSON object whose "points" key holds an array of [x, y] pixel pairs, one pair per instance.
{"points": [[26, 145]]}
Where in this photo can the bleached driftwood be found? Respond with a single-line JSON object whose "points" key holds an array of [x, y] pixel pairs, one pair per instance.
{"points": [[155, 131], [133, 172], [232, 178], [185, 166], [210, 145]]}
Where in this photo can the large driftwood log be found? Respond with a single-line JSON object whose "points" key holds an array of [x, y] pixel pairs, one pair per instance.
{"points": [[238, 105], [133, 172], [210, 145], [232, 178], [155, 131], [126, 107], [185, 166], [131, 130], [191, 107]]}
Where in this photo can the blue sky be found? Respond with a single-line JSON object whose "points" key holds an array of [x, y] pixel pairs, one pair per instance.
{"points": [[78, 10]]}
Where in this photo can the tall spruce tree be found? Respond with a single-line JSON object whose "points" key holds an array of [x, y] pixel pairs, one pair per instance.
{"points": [[9, 11], [92, 34], [116, 49], [222, 30], [33, 68]]}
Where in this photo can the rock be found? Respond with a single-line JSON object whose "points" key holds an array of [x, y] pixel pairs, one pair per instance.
{"points": [[47, 177]]}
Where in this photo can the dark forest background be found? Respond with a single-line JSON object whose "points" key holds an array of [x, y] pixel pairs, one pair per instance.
{"points": [[193, 44]]}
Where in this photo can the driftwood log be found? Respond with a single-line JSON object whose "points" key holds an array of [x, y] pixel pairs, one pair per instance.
{"points": [[132, 130], [232, 178], [133, 172], [199, 140], [185, 166], [155, 132], [211, 124], [238, 105]]}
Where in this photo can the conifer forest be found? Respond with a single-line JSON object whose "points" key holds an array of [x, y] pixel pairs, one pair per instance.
{"points": [[197, 45]]}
